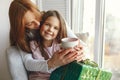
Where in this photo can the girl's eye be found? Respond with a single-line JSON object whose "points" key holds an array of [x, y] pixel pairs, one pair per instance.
{"points": [[47, 24], [56, 28]]}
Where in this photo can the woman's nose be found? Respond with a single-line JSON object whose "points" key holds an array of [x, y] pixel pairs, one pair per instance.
{"points": [[37, 24]]}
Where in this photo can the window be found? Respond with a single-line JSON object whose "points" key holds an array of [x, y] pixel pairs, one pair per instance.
{"points": [[101, 19], [112, 37], [83, 20], [63, 6], [34, 1]]}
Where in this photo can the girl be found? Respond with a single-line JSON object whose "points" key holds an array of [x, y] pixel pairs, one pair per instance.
{"points": [[46, 47]]}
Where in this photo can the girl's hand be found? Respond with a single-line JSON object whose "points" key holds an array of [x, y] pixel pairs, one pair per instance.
{"points": [[62, 57]]}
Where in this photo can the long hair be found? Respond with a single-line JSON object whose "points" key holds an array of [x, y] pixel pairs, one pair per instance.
{"points": [[17, 10], [61, 34]]}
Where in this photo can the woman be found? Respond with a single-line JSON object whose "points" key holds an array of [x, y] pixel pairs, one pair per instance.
{"points": [[25, 20]]}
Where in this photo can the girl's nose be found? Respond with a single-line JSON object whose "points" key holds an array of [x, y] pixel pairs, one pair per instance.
{"points": [[51, 28]]}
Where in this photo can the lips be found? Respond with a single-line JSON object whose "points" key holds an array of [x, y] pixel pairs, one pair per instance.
{"points": [[49, 33]]}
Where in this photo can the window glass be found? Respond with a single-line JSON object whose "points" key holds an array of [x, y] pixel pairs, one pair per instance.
{"points": [[112, 37], [89, 24], [111, 29], [34, 1]]}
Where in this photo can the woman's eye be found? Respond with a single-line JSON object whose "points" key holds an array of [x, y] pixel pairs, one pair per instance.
{"points": [[29, 24]]}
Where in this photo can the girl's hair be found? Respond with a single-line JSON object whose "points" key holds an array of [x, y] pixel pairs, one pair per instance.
{"points": [[61, 34], [17, 10]]}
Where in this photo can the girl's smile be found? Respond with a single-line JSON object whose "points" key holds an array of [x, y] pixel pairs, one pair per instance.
{"points": [[50, 28]]}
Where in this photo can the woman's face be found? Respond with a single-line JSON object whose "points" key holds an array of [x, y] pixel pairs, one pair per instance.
{"points": [[50, 28], [31, 21]]}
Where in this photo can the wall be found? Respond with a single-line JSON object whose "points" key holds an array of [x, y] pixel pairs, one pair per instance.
{"points": [[4, 38]]}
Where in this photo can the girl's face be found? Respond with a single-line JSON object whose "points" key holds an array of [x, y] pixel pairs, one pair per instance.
{"points": [[50, 28], [31, 21]]}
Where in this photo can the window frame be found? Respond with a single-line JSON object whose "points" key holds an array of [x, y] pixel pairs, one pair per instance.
{"points": [[99, 32], [99, 24], [99, 29]]}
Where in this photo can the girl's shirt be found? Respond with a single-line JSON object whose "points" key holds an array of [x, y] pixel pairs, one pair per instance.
{"points": [[50, 50], [36, 64]]}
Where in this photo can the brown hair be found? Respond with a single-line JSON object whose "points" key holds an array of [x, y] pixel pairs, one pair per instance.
{"points": [[17, 10], [61, 34]]}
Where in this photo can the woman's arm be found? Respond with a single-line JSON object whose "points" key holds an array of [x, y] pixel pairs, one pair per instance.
{"points": [[34, 64]]}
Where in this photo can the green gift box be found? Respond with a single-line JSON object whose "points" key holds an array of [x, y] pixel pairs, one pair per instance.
{"points": [[80, 71]]}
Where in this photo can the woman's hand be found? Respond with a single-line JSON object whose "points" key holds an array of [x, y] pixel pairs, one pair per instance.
{"points": [[62, 57], [65, 56], [80, 53], [79, 49]]}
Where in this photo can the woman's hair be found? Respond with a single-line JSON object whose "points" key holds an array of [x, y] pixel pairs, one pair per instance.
{"points": [[17, 10], [61, 34]]}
